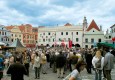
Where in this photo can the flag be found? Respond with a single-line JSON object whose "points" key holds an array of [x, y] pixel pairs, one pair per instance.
{"points": [[70, 44]]}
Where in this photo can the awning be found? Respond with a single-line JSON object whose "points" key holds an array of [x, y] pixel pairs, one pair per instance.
{"points": [[106, 44]]}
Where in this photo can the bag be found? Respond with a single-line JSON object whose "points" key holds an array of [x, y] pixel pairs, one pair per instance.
{"points": [[67, 77], [98, 64]]}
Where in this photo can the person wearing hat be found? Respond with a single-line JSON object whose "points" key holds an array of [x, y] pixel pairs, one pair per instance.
{"points": [[17, 70]]}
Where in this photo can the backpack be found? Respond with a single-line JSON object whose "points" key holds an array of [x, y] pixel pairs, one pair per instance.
{"points": [[98, 63], [1, 64]]}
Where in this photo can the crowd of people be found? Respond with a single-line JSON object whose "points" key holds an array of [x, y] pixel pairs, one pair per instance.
{"points": [[60, 60]]}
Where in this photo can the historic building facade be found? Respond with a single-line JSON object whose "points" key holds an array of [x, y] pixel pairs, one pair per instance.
{"points": [[5, 35], [15, 33], [57, 34], [113, 31], [83, 35], [29, 37]]}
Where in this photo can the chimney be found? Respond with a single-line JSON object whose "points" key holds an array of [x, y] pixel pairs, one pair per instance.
{"points": [[100, 28], [107, 31]]}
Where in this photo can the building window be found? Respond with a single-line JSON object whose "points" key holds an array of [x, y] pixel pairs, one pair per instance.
{"points": [[49, 40], [76, 33], [77, 39], [49, 33], [1, 39], [86, 40], [66, 33], [5, 33], [99, 40], [59, 39], [43, 33], [91, 46], [19, 35], [114, 29], [15, 35], [61, 33], [53, 40], [109, 37], [2, 33], [92, 40], [93, 31], [86, 46], [43, 40], [12, 34], [8, 39], [12, 40]]}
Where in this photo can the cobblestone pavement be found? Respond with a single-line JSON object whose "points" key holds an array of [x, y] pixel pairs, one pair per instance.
{"points": [[53, 76]]}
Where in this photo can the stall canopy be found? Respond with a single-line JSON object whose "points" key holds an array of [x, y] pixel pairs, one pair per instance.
{"points": [[106, 44], [3, 44], [16, 43]]}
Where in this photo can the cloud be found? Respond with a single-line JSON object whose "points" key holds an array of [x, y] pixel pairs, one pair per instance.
{"points": [[53, 12]]}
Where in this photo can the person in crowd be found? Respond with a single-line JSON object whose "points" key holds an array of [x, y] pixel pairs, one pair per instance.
{"points": [[108, 64], [70, 54], [26, 61], [74, 60], [75, 74], [48, 58], [43, 63], [32, 59], [11, 59], [98, 70], [1, 65], [89, 62], [60, 62], [37, 66], [17, 70]]}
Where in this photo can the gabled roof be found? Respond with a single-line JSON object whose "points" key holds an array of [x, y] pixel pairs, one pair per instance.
{"points": [[9, 27], [93, 25], [112, 26], [21, 27], [68, 24], [16, 43]]}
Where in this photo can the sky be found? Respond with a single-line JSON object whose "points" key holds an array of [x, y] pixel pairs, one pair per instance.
{"points": [[53, 12]]}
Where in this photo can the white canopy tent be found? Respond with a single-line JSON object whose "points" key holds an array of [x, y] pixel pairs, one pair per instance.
{"points": [[2, 44]]}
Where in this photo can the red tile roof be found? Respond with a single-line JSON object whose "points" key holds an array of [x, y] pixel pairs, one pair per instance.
{"points": [[93, 25], [9, 27], [21, 27], [68, 24]]}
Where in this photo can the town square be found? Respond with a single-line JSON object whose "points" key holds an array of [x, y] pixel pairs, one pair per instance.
{"points": [[57, 40]]}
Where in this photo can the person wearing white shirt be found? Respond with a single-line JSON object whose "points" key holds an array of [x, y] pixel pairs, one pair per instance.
{"points": [[98, 71], [37, 66]]}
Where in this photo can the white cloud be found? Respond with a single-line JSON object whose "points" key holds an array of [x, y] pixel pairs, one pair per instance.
{"points": [[101, 11]]}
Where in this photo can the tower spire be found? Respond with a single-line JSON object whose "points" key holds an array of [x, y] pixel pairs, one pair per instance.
{"points": [[85, 23]]}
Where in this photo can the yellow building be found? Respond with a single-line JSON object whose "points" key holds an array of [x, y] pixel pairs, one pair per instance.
{"points": [[15, 33]]}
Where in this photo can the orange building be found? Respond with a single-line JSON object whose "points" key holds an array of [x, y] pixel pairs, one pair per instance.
{"points": [[29, 35]]}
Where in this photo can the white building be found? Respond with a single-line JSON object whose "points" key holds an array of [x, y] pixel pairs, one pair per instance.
{"points": [[92, 34], [52, 35], [5, 35], [81, 34], [113, 31], [108, 36]]}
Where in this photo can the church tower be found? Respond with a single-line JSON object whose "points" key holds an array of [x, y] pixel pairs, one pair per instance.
{"points": [[84, 24]]}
